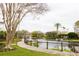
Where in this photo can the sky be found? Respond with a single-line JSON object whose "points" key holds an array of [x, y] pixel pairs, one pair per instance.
{"points": [[64, 13]]}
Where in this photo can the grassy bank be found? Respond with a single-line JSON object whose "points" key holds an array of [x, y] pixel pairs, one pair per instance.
{"points": [[24, 52], [65, 50], [72, 40]]}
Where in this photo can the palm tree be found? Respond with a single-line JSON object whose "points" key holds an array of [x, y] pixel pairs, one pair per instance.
{"points": [[57, 25]]}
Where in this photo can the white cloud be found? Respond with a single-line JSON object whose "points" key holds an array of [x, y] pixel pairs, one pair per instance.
{"points": [[64, 13]]}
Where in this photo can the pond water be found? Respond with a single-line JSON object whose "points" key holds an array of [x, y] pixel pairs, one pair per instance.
{"points": [[74, 46], [53, 44]]}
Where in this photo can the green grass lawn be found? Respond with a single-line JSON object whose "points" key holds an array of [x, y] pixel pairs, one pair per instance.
{"points": [[72, 40], [24, 52], [65, 50]]}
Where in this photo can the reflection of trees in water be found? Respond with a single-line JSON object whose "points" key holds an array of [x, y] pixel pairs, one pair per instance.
{"points": [[72, 46]]}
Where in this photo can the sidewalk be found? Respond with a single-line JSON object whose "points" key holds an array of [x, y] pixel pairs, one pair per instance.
{"points": [[23, 45]]}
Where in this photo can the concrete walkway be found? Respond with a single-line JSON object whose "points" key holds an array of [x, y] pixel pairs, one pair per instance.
{"points": [[23, 45]]}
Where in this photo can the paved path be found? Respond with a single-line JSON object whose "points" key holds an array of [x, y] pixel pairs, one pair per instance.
{"points": [[23, 45]]}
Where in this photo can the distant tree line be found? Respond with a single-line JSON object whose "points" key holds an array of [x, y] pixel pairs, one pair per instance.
{"points": [[40, 35], [37, 35], [53, 35]]}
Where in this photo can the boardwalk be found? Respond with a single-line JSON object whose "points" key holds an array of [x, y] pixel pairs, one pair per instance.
{"points": [[23, 45]]}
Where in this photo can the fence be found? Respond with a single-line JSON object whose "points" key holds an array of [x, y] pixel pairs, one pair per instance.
{"points": [[71, 45]]}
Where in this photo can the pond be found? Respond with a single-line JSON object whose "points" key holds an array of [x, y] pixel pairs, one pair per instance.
{"points": [[57, 44], [53, 44]]}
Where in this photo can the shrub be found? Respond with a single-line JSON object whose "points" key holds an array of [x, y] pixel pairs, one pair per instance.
{"points": [[51, 35], [2, 35], [72, 35], [37, 35]]}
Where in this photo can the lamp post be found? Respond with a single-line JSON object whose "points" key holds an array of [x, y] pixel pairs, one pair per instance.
{"points": [[61, 44], [62, 37]]}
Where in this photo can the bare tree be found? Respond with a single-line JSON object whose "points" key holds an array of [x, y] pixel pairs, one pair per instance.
{"points": [[13, 13]]}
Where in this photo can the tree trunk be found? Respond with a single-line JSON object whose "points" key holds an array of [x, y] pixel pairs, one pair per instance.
{"points": [[9, 40]]}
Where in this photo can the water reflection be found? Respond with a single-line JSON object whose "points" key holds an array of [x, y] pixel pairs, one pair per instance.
{"points": [[53, 44], [73, 46]]}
